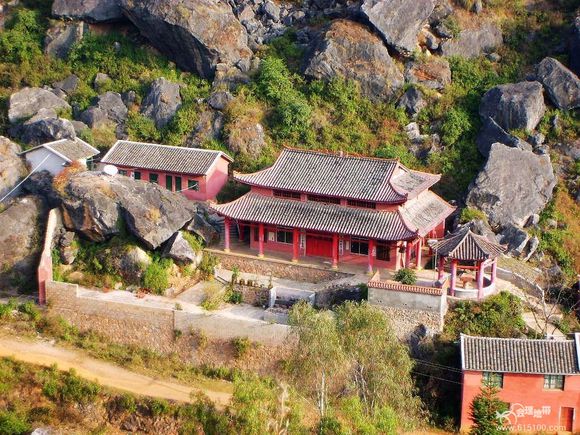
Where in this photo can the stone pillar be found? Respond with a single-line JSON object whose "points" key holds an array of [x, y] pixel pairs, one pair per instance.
{"points": [[261, 240], [335, 251], [441, 268], [227, 225], [480, 280], [295, 244], [408, 248], [371, 255], [418, 253], [453, 279]]}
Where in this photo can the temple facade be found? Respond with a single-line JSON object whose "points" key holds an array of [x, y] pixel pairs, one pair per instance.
{"points": [[345, 209]]}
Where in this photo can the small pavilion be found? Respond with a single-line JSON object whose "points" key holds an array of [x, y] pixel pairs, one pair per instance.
{"points": [[467, 251]]}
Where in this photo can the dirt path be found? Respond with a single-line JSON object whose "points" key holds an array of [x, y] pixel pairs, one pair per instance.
{"points": [[106, 374]]}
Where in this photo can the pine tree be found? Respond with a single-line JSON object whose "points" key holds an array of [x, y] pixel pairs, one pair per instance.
{"points": [[485, 410]]}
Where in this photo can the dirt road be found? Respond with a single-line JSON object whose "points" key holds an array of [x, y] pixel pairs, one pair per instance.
{"points": [[106, 374]]}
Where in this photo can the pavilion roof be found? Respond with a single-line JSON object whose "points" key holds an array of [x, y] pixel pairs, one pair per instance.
{"points": [[465, 245], [317, 216], [352, 177]]}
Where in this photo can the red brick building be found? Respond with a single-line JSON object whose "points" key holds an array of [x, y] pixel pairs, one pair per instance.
{"points": [[348, 209], [198, 173], [539, 379]]}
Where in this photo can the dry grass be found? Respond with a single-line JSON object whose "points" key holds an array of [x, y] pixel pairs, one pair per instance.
{"points": [[570, 211]]}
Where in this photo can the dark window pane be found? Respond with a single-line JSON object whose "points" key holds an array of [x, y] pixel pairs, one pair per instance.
{"points": [[154, 178], [177, 184], [192, 184], [136, 175], [169, 182]]}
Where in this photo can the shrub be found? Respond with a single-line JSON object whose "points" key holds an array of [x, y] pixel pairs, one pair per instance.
{"points": [[29, 309], [484, 411], [194, 241], [234, 297], [159, 407], [22, 39], [74, 389], [469, 214], [127, 403], [242, 346], [156, 276], [13, 424], [406, 276], [213, 296], [207, 265], [7, 309]]}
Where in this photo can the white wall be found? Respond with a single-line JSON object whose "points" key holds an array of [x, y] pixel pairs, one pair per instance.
{"points": [[53, 164]]}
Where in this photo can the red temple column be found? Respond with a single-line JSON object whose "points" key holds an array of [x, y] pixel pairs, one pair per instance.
{"points": [[418, 253], [260, 240], [295, 244], [453, 279], [494, 270], [480, 274], [408, 248], [227, 224], [371, 255], [441, 268], [335, 251]]}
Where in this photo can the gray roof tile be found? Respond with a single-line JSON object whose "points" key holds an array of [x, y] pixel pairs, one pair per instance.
{"points": [[465, 245], [162, 157], [70, 149], [514, 355]]}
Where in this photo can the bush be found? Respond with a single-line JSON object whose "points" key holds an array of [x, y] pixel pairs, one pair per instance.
{"points": [[469, 214], [242, 346], [234, 297], [406, 276], [13, 424], [7, 309], [194, 241], [29, 309], [156, 276], [126, 403], [213, 296], [68, 387], [159, 407], [207, 265], [22, 39], [484, 411]]}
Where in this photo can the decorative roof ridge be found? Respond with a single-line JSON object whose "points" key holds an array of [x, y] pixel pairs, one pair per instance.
{"points": [[529, 340], [461, 240], [340, 154], [397, 286], [160, 145]]}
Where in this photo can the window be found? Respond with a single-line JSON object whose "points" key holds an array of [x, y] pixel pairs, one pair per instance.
{"points": [[383, 251], [178, 184], [192, 185], [169, 182], [286, 194], [326, 199], [136, 175], [493, 379], [360, 247], [154, 178], [284, 236], [553, 382], [361, 204], [122, 172]]}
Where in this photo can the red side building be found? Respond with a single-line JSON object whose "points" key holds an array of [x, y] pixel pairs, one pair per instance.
{"points": [[198, 173], [347, 209], [539, 379]]}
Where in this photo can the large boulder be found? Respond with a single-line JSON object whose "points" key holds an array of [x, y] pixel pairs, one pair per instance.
{"points": [[131, 263], [62, 36], [398, 21], [472, 43], [44, 127], [575, 46], [197, 35], [412, 101], [162, 101], [179, 249], [491, 133], [28, 101], [246, 137], [94, 11], [204, 229], [209, 127], [513, 185], [97, 205], [349, 50], [40, 183], [12, 167], [109, 108], [21, 233], [433, 72], [563, 85], [514, 106]]}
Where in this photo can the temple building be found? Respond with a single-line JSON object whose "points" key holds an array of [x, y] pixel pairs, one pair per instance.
{"points": [[347, 209]]}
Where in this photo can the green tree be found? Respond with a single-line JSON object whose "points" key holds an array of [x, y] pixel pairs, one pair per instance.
{"points": [[486, 409]]}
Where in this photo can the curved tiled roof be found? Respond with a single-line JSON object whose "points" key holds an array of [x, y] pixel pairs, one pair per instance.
{"points": [[465, 245], [317, 216], [164, 158], [360, 178], [425, 212], [514, 355]]}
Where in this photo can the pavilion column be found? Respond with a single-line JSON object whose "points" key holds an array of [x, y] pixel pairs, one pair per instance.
{"points": [[371, 255], [260, 240], [408, 248], [453, 279], [295, 244], [335, 251], [494, 270], [480, 274], [240, 232], [418, 253], [227, 225], [441, 268]]}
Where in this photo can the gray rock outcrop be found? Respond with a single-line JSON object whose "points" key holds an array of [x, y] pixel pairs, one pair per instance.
{"points": [[515, 238], [204, 229], [68, 85], [412, 101], [398, 21], [246, 137], [96, 205], [44, 127], [491, 133], [28, 101], [109, 108], [562, 85], [162, 101], [12, 167], [62, 36], [179, 249], [209, 127], [472, 43], [196, 35], [513, 185], [434, 72], [514, 106], [219, 100], [348, 50], [94, 11]]}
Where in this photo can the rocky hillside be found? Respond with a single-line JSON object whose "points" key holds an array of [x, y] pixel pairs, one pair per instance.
{"points": [[485, 92]]}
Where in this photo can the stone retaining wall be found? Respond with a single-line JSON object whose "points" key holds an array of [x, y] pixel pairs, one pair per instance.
{"points": [[520, 281], [405, 322]]}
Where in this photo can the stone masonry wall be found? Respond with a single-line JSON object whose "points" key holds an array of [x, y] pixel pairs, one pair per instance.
{"points": [[405, 322]]}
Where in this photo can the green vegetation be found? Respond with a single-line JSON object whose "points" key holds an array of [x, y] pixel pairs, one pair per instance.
{"points": [[469, 214], [214, 295], [485, 409], [156, 276], [406, 276], [194, 241], [242, 346]]}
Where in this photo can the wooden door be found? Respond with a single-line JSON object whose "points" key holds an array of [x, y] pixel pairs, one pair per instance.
{"points": [[318, 246], [566, 418]]}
